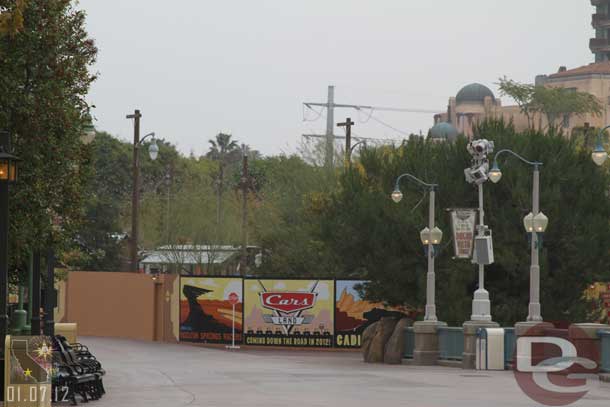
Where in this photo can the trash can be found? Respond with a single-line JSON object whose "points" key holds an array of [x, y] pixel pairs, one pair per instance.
{"points": [[490, 349]]}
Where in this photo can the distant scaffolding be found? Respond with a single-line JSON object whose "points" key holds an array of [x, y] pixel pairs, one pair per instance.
{"points": [[600, 45]]}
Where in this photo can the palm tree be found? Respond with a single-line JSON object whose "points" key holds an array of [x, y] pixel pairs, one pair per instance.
{"points": [[223, 150]]}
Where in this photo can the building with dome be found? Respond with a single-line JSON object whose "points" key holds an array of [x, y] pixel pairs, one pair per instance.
{"points": [[476, 102], [443, 131], [472, 104]]}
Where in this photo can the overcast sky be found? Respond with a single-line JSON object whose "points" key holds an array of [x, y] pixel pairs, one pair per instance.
{"points": [[197, 67]]}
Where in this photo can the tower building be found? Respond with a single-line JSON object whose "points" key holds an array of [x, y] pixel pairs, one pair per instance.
{"points": [[600, 45]]}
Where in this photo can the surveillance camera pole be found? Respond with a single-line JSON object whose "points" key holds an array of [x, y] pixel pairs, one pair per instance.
{"points": [[481, 305]]}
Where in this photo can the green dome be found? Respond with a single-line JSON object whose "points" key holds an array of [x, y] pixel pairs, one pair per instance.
{"points": [[473, 93], [443, 131]]}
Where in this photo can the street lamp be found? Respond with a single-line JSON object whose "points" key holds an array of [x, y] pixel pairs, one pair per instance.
{"points": [[535, 223], [153, 151], [8, 175], [351, 150], [430, 236], [599, 154]]}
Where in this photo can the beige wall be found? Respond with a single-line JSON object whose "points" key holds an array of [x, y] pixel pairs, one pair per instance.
{"points": [[122, 305]]}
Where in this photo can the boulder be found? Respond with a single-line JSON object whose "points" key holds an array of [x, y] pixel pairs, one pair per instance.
{"points": [[367, 337], [385, 329], [395, 346]]}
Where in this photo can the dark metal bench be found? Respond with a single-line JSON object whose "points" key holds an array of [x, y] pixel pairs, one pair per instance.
{"points": [[78, 372]]}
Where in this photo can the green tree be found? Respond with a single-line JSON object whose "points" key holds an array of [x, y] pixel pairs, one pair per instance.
{"points": [[371, 237], [554, 103], [284, 217], [11, 19], [522, 94], [558, 104], [107, 191], [223, 150], [44, 78]]}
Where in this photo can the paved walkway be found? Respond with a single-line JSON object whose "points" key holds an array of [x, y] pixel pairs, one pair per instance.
{"points": [[164, 375]]}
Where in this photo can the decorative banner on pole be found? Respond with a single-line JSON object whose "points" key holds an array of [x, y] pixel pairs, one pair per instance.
{"points": [[463, 222]]}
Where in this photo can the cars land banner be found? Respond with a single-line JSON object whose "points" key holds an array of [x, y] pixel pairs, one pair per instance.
{"points": [[354, 314], [206, 313], [296, 313], [463, 226]]}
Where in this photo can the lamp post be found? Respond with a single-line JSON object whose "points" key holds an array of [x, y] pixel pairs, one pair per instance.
{"points": [[135, 199], [8, 175], [50, 298], [535, 224], [35, 294], [426, 350], [430, 236], [599, 154]]}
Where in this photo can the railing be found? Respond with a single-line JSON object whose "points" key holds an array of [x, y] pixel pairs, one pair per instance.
{"points": [[599, 2], [599, 44], [409, 343], [451, 343], [600, 21], [605, 339], [510, 344]]}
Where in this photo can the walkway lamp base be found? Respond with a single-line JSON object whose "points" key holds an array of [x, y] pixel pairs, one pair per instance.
{"points": [[427, 350], [470, 341], [481, 306]]}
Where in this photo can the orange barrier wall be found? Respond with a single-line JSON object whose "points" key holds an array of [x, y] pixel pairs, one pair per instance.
{"points": [[121, 305]]}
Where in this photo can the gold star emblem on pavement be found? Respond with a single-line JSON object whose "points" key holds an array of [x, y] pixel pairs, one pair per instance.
{"points": [[27, 373]]}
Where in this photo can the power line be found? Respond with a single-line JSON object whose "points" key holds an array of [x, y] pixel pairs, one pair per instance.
{"points": [[404, 133], [330, 107]]}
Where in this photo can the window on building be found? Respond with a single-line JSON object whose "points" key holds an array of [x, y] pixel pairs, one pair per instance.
{"points": [[566, 121]]}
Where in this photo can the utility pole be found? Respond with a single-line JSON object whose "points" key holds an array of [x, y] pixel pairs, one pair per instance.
{"points": [[330, 124], [168, 180], [348, 140], [330, 106], [245, 185], [135, 199]]}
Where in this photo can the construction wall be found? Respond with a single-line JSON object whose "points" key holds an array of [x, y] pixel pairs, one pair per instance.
{"points": [[121, 305]]}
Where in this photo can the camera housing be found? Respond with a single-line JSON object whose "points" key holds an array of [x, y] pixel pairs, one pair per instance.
{"points": [[479, 149], [477, 174]]}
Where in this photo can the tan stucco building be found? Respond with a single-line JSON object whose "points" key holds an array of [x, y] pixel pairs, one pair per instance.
{"points": [[476, 102]]}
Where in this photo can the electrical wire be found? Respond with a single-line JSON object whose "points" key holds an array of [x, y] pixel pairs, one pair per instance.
{"points": [[318, 113], [389, 126], [368, 118]]}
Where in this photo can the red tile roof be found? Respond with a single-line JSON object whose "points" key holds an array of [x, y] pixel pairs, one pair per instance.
{"points": [[591, 69]]}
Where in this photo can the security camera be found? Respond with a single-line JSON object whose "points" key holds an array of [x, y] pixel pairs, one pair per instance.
{"points": [[477, 174], [479, 149]]}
